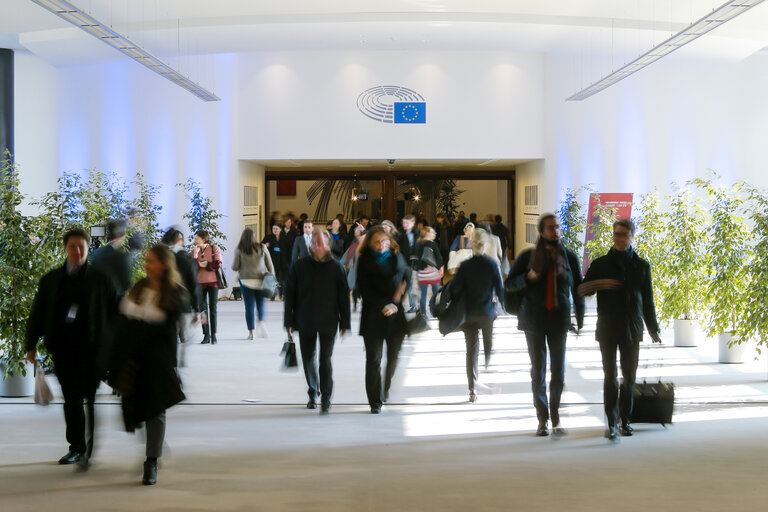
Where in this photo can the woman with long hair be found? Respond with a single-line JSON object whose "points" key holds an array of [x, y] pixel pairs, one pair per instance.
{"points": [[143, 369], [381, 277], [275, 242], [208, 258], [477, 280], [252, 262], [429, 265]]}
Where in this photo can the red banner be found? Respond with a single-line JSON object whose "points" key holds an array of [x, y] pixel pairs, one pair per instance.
{"points": [[621, 204]]}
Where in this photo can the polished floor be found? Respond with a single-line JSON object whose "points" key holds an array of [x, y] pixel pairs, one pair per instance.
{"points": [[244, 441]]}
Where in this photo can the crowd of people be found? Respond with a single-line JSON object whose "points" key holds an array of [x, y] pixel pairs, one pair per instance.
{"points": [[96, 326]]}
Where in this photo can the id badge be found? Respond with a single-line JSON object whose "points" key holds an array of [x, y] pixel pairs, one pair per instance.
{"points": [[72, 313]]}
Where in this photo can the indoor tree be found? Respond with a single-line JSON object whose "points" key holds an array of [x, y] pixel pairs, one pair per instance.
{"points": [[573, 219], [756, 325], [201, 214], [649, 241]]}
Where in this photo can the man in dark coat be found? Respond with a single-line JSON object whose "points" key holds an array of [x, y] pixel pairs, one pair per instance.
{"points": [[444, 236], [501, 231], [187, 268], [73, 306], [407, 239], [110, 258], [622, 280], [317, 305], [302, 243], [546, 279]]}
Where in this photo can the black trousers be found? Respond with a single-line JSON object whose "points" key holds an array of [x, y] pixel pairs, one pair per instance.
{"points": [[471, 329], [618, 399], [76, 371], [374, 348], [554, 337], [209, 297], [308, 344]]}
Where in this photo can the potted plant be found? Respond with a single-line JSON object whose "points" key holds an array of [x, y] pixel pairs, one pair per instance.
{"points": [[24, 258], [728, 255], [651, 230], [683, 295], [573, 220], [601, 231], [756, 325]]}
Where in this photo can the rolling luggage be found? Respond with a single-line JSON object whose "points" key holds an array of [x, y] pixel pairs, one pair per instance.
{"points": [[653, 402]]}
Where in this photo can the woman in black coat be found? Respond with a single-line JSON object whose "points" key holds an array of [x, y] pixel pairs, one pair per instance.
{"points": [[476, 281], [144, 365], [381, 277], [277, 243]]}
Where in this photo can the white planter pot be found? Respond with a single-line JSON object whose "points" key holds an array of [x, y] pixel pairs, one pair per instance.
{"points": [[687, 333], [729, 355], [17, 385]]}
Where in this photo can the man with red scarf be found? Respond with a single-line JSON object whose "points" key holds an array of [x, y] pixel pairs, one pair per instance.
{"points": [[546, 278]]}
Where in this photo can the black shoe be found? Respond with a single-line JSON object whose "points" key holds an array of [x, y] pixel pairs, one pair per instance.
{"points": [[559, 431], [613, 433], [325, 408], [542, 431], [206, 340], [626, 429], [150, 473], [311, 405], [71, 457], [385, 398], [376, 409], [213, 339], [83, 465], [472, 397]]}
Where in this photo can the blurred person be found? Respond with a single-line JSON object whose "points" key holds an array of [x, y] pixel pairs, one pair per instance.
{"points": [[72, 311], [473, 218], [501, 231], [274, 242], [546, 278], [317, 305], [443, 236], [429, 266], [143, 367], [252, 262], [382, 274], [300, 224], [622, 280], [349, 261], [208, 258], [342, 225], [390, 228], [187, 270], [493, 250], [459, 223], [337, 239], [301, 245], [110, 258], [460, 249], [137, 236], [406, 240], [477, 281]]}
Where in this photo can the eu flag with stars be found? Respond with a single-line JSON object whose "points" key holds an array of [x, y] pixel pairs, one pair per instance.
{"points": [[410, 112]]}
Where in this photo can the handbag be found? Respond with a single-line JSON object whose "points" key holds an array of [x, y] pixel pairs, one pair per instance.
{"points": [[428, 257], [416, 325], [458, 257], [289, 354], [43, 394], [653, 402], [269, 285], [428, 276], [221, 278]]}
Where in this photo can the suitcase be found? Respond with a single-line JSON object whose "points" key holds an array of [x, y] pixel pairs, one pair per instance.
{"points": [[653, 403]]}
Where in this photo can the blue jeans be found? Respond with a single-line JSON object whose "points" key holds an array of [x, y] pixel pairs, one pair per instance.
{"points": [[252, 298], [423, 300]]}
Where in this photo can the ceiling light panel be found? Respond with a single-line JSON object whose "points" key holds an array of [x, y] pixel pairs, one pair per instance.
{"points": [[74, 15]]}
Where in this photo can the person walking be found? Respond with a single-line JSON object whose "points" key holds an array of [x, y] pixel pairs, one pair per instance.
{"points": [[144, 363], [317, 305], [275, 242], [381, 278], [460, 249], [477, 282], [546, 278], [622, 280], [406, 240], [111, 259], [429, 266], [443, 236], [72, 310], [337, 238], [252, 262], [208, 258], [301, 244]]}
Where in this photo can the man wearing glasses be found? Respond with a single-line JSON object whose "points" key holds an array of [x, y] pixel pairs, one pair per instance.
{"points": [[622, 280]]}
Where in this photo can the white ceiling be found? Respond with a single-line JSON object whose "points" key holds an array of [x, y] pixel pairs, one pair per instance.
{"points": [[172, 28]]}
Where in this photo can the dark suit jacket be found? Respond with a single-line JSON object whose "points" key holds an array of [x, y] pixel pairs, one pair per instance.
{"points": [[533, 312], [114, 263], [102, 307], [316, 297], [406, 248], [300, 249], [477, 280], [620, 312]]}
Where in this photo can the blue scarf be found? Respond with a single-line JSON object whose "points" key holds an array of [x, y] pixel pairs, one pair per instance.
{"points": [[381, 257]]}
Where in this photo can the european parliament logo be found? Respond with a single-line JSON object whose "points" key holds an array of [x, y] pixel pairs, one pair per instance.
{"points": [[393, 104]]}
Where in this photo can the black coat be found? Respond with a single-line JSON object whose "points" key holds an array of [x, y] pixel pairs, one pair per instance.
{"points": [[406, 248], [620, 312], [418, 252], [533, 313], [476, 282], [143, 365], [316, 297], [115, 264], [102, 308], [300, 249], [377, 285], [187, 268]]}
